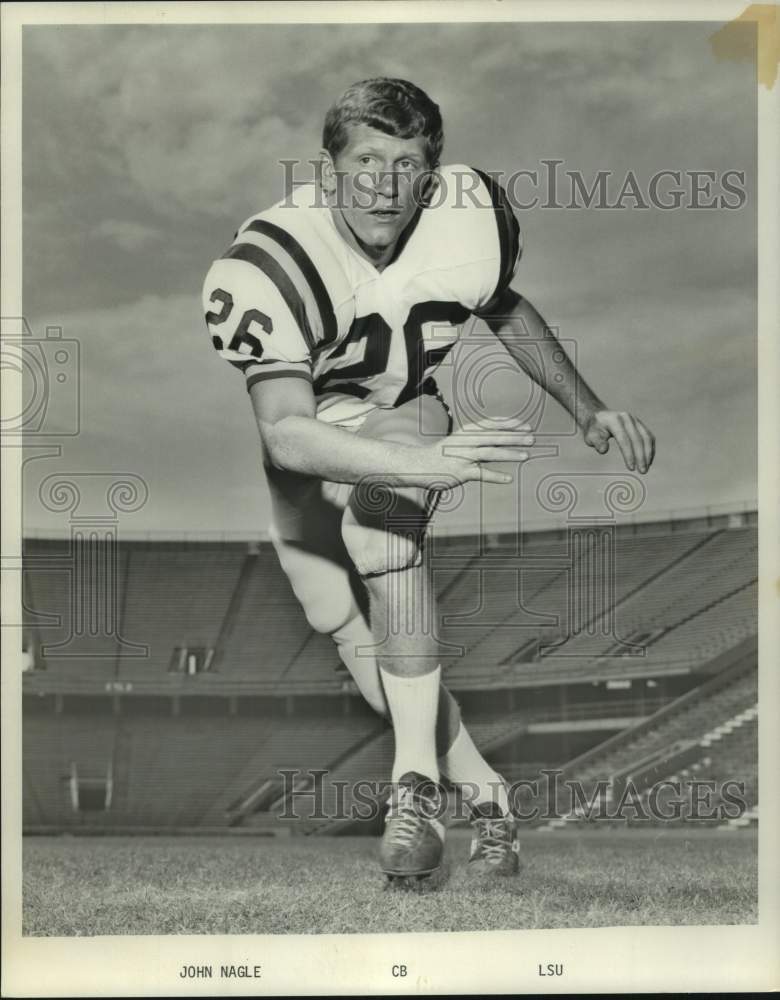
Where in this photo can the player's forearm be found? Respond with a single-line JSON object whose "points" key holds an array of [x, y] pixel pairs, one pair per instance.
{"points": [[520, 324], [310, 447]]}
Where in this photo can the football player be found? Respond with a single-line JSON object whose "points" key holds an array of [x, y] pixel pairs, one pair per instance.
{"points": [[337, 304]]}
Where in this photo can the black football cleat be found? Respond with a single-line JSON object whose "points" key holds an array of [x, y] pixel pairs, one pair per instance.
{"points": [[495, 847], [413, 842]]}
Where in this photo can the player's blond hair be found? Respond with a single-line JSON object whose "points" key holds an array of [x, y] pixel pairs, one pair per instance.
{"points": [[396, 107]]}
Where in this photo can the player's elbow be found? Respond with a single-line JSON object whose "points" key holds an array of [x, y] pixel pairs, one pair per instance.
{"points": [[284, 410], [279, 444], [274, 449]]}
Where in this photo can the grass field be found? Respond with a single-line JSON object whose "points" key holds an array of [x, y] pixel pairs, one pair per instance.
{"points": [[249, 885]]}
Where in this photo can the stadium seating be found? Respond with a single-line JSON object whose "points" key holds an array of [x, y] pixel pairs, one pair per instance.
{"points": [[268, 628], [175, 596], [549, 592], [724, 563], [685, 592], [316, 660], [700, 603], [290, 744], [168, 772], [371, 763], [74, 629], [684, 595], [734, 754], [52, 745]]}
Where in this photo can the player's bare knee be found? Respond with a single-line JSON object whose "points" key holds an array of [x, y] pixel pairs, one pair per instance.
{"points": [[324, 619], [375, 551], [327, 600]]}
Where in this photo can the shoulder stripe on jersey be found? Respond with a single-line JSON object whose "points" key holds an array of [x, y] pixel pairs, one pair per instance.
{"points": [[508, 229], [294, 273], [308, 270], [269, 266], [265, 376]]}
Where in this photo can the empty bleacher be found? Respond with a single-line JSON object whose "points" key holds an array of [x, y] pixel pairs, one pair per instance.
{"points": [[370, 763], [316, 660], [71, 611], [724, 563], [268, 628], [52, 745], [687, 597], [289, 744], [168, 772], [175, 596], [621, 570], [553, 607]]}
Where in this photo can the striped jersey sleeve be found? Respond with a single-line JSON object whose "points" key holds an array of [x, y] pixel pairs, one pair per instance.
{"points": [[510, 241], [266, 307]]}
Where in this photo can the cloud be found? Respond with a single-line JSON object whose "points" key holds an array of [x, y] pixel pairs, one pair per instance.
{"points": [[194, 118], [158, 402], [197, 118], [144, 147], [128, 235]]}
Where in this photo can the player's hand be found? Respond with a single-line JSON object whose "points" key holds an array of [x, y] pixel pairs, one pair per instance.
{"points": [[464, 454], [635, 441]]}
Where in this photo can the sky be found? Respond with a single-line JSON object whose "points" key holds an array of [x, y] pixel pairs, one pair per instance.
{"points": [[144, 148]]}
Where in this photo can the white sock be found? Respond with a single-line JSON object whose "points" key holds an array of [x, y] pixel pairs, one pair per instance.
{"points": [[413, 704], [464, 765]]}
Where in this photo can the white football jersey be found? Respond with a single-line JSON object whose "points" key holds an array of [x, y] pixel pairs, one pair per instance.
{"points": [[291, 298]]}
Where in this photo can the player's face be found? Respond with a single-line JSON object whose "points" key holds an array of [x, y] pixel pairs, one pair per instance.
{"points": [[377, 184]]}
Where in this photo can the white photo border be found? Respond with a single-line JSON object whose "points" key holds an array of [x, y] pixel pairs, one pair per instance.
{"points": [[612, 960]]}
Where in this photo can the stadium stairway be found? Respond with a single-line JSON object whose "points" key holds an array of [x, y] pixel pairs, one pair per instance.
{"points": [[688, 761], [228, 623], [728, 751], [724, 711], [729, 675]]}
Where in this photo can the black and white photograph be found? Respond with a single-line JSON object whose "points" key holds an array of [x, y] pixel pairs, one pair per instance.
{"points": [[387, 474]]}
